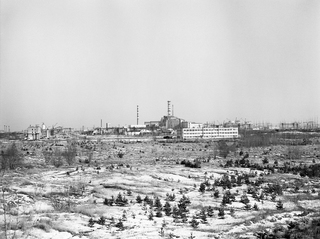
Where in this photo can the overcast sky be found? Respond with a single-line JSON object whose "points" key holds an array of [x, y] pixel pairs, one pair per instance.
{"points": [[74, 62]]}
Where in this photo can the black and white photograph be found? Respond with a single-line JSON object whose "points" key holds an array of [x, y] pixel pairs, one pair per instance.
{"points": [[162, 119]]}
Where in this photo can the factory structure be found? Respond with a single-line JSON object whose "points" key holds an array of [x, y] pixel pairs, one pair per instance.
{"points": [[189, 130], [169, 126]]}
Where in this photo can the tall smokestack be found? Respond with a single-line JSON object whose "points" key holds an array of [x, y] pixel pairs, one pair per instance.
{"points": [[101, 124], [169, 110], [137, 114], [172, 111]]}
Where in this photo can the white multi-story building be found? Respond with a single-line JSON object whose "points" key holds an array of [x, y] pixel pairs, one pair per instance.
{"points": [[187, 124], [208, 133]]}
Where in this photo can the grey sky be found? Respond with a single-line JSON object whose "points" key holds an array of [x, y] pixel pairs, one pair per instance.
{"points": [[76, 62]]}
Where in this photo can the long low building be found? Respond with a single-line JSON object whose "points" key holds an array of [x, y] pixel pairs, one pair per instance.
{"points": [[208, 133]]}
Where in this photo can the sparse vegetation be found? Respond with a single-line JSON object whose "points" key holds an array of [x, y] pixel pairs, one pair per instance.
{"points": [[11, 158], [100, 192]]}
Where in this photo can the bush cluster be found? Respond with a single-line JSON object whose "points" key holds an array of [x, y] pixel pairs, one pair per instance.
{"points": [[11, 158], [192, 164], [119, 201]]}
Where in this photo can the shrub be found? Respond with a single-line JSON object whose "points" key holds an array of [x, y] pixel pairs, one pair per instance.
{"points": [[170, 197], [167, 209], [216, 193], [210, 211], [70, 153], [185, 200], [247, 206], [195, 164], [159, 213], [89, 157], [43, 226], [203, 216], [109, 202], [56, 158], [120, 225], [120, 155], [202, 188], [232, 211], [11, 158], [102, 220], [265, 160], [223, 149], [293, 152], [146, 199], [279, 205], [139, 199], [244, 199], [221, 212], [91, 222], [121, 200], [226, 199], [150, 216], [194, 223], [157, 203], [175, 212]]}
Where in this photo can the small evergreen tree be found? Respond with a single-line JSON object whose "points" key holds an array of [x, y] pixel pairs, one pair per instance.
{"points": [[265, 160], [244, 199], [279, 205], [247, 206], [150, 216], [119, 225], [221, 212], [202, 188], [119, 198], [182, 206], [210, 211], [194, 223], [146, 199], [157, 203], [159, 213], [185, 200], [226, 199], [151, 203], [175, 212], [91, 222], [167, 209], [203, 216], [216, 193], [106, 202], [102, 220], [232, 211], [255, 207], [139, 199], [170, 197]]}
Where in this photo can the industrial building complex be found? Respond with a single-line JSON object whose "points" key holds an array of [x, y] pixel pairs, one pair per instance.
{"points": [[169, 126]]}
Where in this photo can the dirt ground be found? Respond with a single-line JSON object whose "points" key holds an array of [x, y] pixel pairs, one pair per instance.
{"points": [[43, 201]]}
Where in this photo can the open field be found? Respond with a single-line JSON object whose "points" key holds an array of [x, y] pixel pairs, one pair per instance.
{"points": [[145, 190]]}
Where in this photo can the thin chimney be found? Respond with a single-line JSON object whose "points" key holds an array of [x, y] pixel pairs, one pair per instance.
{"points": [[137, 114]]}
